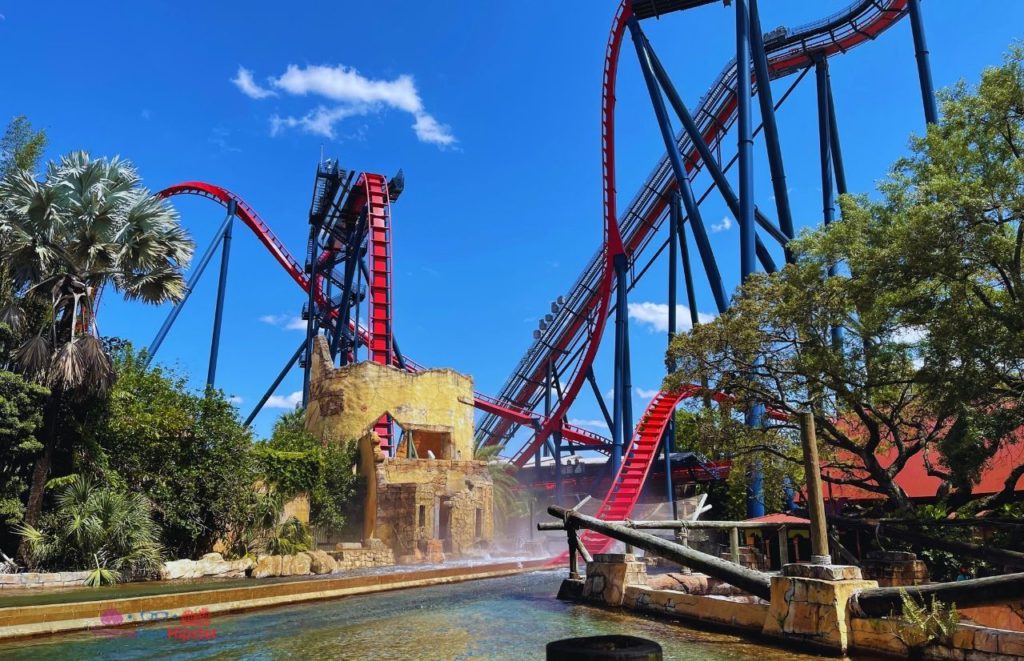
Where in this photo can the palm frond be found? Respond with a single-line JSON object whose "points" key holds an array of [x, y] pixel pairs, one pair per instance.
{"points": [[33, 357]]}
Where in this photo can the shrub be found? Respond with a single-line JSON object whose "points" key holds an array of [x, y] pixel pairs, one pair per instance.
{"points": [[104, 529]]}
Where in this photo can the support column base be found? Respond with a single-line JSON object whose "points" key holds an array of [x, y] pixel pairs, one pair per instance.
{"points": [[809, 602]]}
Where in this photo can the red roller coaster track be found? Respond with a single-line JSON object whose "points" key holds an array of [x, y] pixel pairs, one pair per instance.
{"points": [[572, 341], [569, 343]]}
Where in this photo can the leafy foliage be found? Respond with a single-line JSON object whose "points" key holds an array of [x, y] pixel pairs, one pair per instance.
{"points": [[187, 452], [509, 500], [295, 461], [99, 527], [20, 419], [21, 147], [900, 326], [292, 537], [926, 623]]}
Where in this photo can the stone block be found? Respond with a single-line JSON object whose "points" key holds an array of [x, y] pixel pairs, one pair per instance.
{"points": [[1011, 643], [812, 609], [823, 572]]}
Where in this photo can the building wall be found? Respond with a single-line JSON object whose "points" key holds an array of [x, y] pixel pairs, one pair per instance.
{"points": [[345, 402], [436, 407]]}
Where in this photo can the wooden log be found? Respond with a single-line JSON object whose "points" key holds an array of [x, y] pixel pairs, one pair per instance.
{"points": [[991, 590], [754, 582], [674, 524], [987, 553], [815, 500]]}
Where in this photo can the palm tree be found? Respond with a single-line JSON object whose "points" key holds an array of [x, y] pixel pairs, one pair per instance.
{"points": [[86, 226], [108, 530]]}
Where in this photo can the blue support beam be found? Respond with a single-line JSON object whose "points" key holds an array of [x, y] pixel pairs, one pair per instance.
{"points": [[825, 142], [557, 436], [599, 397], [834, 143], [709, 160], [745, 143], [682, 182], [277, 382], [667, 441], [924, 67], [684, 251], [222, 283], [828, 210], [771, 129], [193, 280], [619, 394]]}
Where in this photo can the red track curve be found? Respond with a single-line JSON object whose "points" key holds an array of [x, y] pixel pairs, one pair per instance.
{"points": [[287, 261]]}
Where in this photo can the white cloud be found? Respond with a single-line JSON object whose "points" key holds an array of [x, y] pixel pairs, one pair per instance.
{"points": [[723, 226], [589, 424], [655, 316], [288, 402], [285, 321], [235, 399], [319, 121], [354, 93], [643, 393], [249, 87]]}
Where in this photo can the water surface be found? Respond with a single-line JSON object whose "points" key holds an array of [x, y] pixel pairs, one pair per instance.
{"points": [[502, 618]]}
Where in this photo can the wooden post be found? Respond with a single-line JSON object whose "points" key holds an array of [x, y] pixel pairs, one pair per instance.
{"points": [[574, 543], [815, 499], [783, 547], [734, 544]]}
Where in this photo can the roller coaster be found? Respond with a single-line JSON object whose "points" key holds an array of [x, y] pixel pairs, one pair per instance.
{"points": [[346, 274]]}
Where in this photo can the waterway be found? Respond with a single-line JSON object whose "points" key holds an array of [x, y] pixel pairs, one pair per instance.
{"points": [[503, 618]]}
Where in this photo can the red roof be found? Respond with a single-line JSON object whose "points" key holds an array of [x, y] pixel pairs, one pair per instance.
{"points": [[779, 519], [916, 482]]}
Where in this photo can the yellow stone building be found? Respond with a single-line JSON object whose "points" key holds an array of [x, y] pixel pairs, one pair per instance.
{"points": [[432, 495]]}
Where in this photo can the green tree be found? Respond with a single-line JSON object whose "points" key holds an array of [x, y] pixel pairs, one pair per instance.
{"points": [[21, 146], [88, 224], [926, 287], [944, 246], [295, 461], [20, 419], [186, 452]]}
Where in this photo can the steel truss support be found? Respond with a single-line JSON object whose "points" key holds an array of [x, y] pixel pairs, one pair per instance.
{"points": [[771, 129], [682, 182], [201, 265], [222, 282], [834, 143], [924, 67], [620, 395], [710, 162], [277, 382], [744, 142], [557, 436]]}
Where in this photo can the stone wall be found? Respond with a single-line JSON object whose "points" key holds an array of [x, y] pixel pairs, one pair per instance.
{"points": [[28, 580], [357, 556], [969, 642], [456, 489], [895, 568], [346, 402]]}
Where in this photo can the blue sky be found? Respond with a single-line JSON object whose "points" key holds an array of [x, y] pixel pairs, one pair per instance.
{"points": [[492, 110]]}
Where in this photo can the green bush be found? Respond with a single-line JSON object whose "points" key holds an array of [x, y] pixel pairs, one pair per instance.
{"points": [[99, 528]]}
